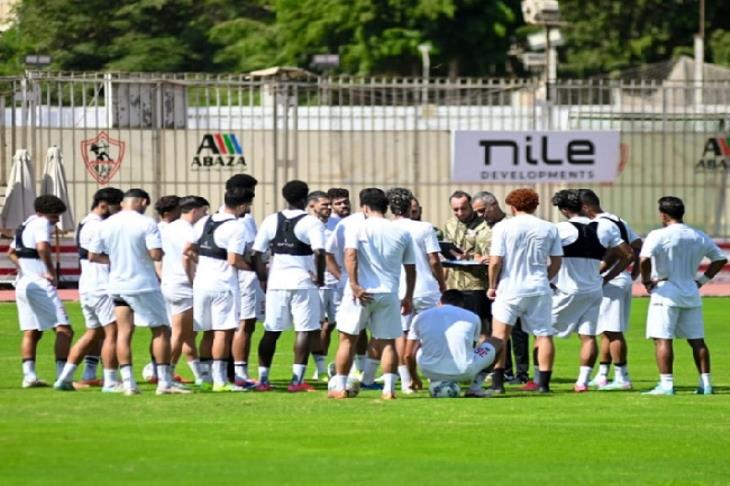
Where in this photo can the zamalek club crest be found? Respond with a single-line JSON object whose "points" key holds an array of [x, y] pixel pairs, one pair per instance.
{"points": [[102, 156]]}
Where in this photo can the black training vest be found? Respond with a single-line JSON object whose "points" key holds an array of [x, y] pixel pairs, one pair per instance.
{"points": [[83, 252], [587, 245], [207, 245], [621, 228], [21, 250], [285, 241]]}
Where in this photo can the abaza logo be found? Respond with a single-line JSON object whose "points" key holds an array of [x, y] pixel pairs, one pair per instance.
{"points": [[715, 156], [219, 150], [102, 156]]}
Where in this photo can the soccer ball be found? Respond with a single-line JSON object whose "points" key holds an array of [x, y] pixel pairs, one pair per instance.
{"points": [[148, 372], [444, 389]]}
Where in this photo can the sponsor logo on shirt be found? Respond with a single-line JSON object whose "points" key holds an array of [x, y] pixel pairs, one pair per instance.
{"points": [[219, 151], [715, 155], [102, 156]]}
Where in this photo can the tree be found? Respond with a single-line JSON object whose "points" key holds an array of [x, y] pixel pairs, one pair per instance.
{"points": [[604, 36], [247, 39], [382, 36]]}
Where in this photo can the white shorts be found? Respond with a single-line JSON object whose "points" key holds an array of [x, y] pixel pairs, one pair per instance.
{"points": [[615, 309], [576, 313], [149, 308], [482, 356], [98, 310], [381, 316], [39, 307], [420, 304], [298, 308], [329, 300], [665, 322], [178, 298], [215, 311], [252, 297], [535, 312]]}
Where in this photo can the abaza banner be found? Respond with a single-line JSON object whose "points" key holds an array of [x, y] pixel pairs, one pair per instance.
{"points": [[531, 157]]}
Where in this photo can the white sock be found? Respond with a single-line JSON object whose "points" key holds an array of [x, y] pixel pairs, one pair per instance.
{"points": [[164, 377], [478, 381], [621, 373], [127, 377], [389, 382], [666, 381], [368, 372], [110, 377], [359, 363], [298, 371], [205, 371], [194, 366], [584, 374], [29, 370], [405, 377], [90, 365], [340, 382], [59, 367], [603, 369], [153, 365], [67, 373], [320, 361], [705, 380], [263, 374], [219, 372], [241, 368]]}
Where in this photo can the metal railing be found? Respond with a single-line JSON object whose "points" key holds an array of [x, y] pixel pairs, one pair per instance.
{"points": [[187, 133]]}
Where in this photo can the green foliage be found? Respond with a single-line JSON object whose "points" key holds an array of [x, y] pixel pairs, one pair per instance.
{"points": [[372, 37], [720, 46], [603, 36], [467, 37]]}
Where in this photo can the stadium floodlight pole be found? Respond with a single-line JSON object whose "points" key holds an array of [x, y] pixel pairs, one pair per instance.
{"points": [[699, 52], [425, 50]]}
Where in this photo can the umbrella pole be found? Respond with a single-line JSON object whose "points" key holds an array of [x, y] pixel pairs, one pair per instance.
{"points": [[58, 257]]}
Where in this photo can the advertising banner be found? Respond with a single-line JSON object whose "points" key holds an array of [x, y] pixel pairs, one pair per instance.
{"points": [[530, 157]]}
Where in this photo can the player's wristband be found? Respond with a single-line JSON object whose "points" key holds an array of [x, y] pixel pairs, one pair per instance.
{"points": [[703, 279]]}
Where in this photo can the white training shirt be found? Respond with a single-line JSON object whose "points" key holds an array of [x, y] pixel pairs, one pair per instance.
{"points": [[126, 237], [291, 272], [424, 241], [175, 236], [676, 252], [216, 275], [382, 249], [248, 277], [37, 230], [582, 275], [330, 282], [624, 278], [525, 244], [94, 277], [335, 244], [447, 335]]}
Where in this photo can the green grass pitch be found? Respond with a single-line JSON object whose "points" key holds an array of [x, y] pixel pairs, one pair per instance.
{"points": [[49, 437]]}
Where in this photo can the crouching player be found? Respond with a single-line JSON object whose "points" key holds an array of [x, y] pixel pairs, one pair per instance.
{"points": [[442, 342]]}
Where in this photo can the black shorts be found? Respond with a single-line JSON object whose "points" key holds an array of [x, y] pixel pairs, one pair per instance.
{"points": [[119, 302], [477, 302]]}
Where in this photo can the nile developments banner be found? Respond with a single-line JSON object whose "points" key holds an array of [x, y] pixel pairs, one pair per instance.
{"points": [[529, 157]]}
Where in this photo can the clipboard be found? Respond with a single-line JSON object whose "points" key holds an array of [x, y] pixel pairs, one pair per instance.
{"points": [[449, 250]]}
